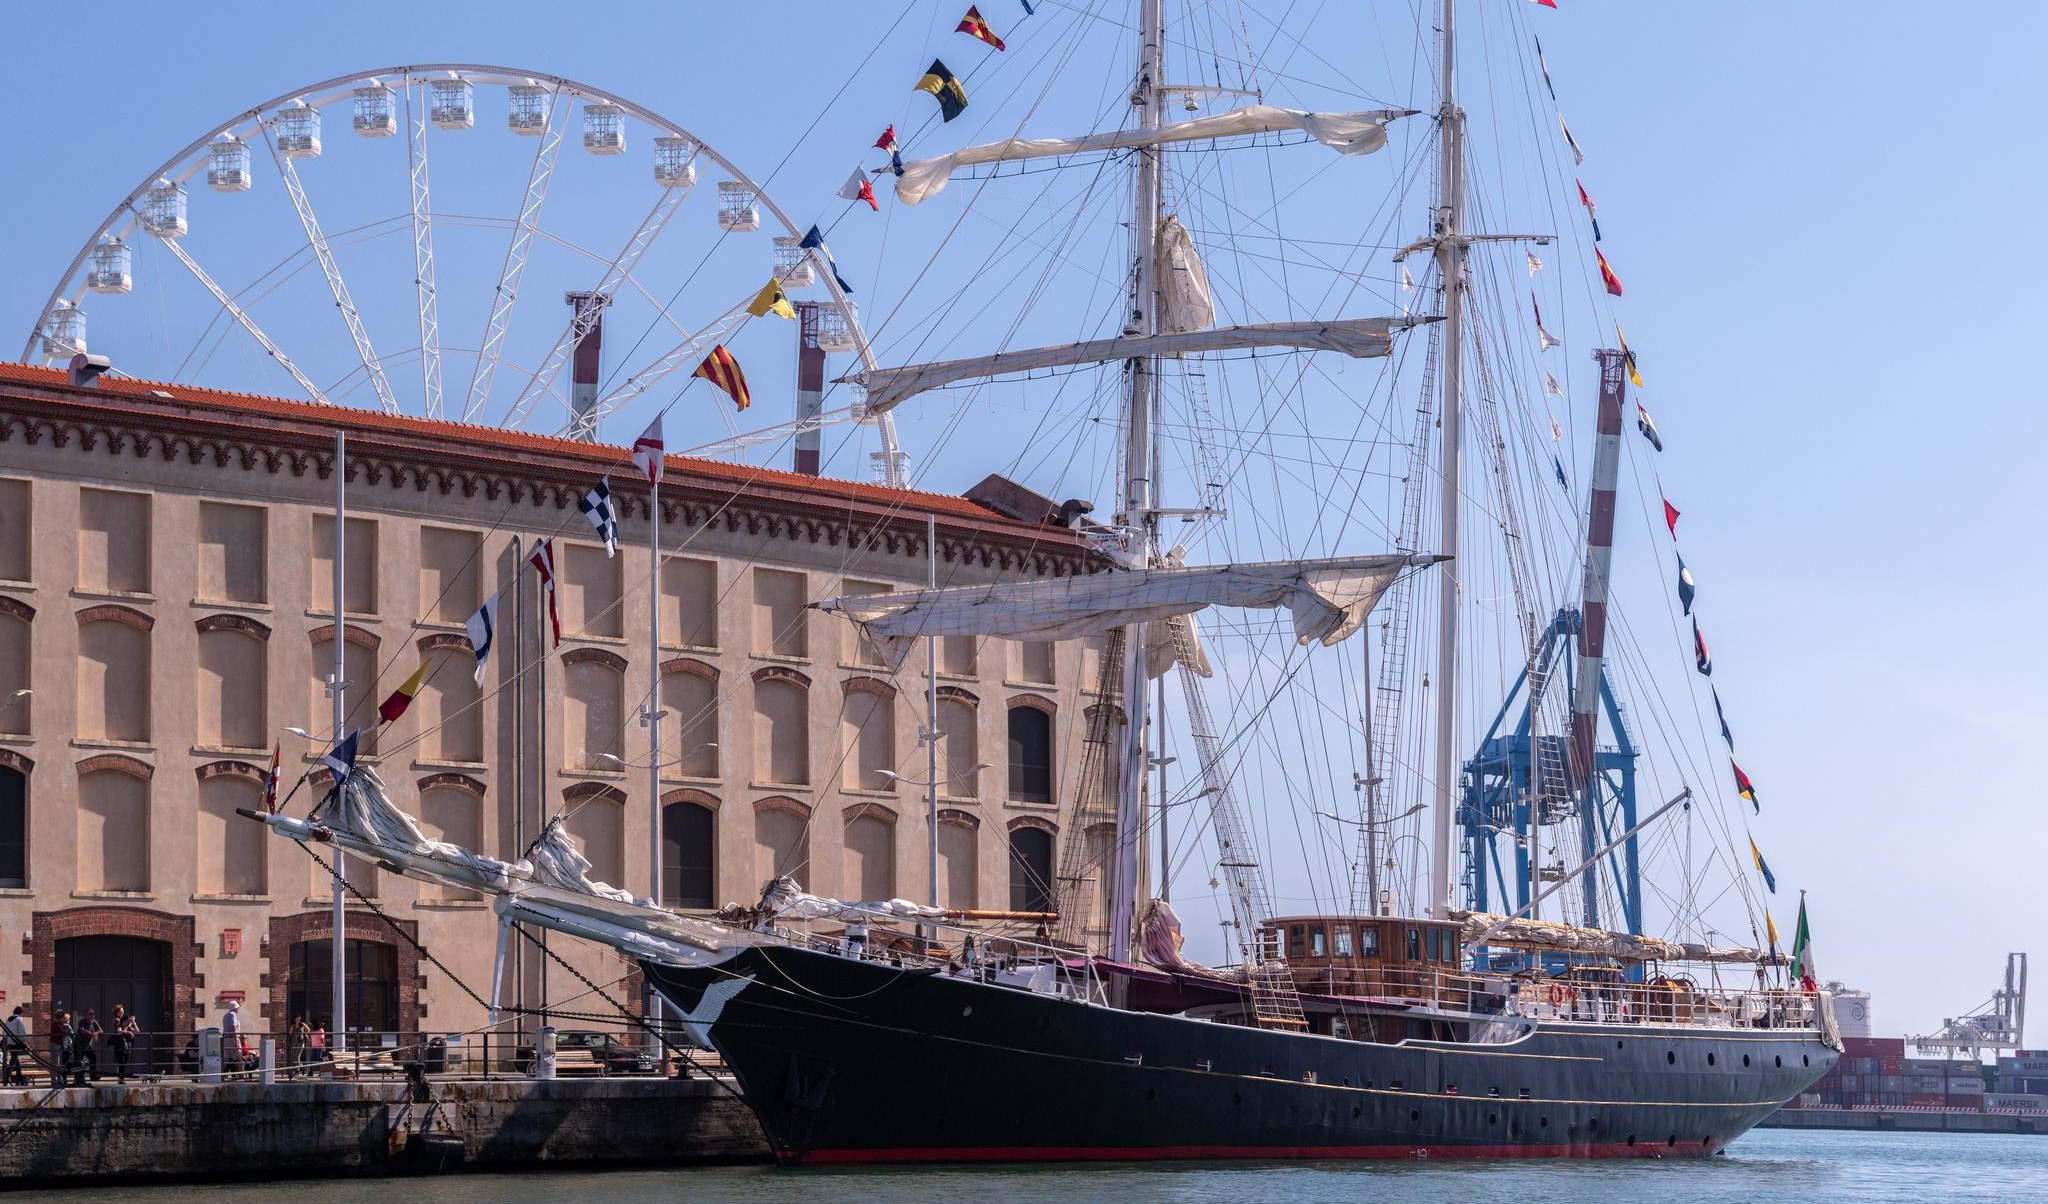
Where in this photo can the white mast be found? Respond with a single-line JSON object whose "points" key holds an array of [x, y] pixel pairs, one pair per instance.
{"points": [[1139, 517], [337, 687], [1450, 261]]}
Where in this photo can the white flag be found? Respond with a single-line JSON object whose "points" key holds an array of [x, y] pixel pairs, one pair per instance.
{"points": [[482, 626], [648, 452], [1556, 432], [1407, 286], [1551, 387], [1535, 264]]}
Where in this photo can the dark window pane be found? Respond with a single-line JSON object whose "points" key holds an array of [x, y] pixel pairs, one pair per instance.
{"points": [[1030, 755], [686, 855], [13, 828], [1031, 870]]}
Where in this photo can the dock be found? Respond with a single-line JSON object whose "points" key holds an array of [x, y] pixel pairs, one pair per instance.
{"points": [[247, 1130], [1907, 1120]]}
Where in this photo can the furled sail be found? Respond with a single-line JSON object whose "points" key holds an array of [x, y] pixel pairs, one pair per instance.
{"points": [[1358, 133], [1359, 338], [1329, 599], [1482, 928], [1185, 302]]}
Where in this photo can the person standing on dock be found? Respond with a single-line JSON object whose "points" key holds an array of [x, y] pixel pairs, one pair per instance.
{"points": [[122, 1039], [15, 1037], [316, 1044], [86, 1042], [297, 1043], [60, 1047]]}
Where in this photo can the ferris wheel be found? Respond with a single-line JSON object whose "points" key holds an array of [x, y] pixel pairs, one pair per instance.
{"points": [[470, 272]]}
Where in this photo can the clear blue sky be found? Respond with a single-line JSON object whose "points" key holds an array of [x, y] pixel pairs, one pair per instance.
{"points": [[1825, 224]]}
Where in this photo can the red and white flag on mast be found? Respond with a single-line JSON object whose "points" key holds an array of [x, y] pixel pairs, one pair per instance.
{"points": [[648, 452], [543, 561]]}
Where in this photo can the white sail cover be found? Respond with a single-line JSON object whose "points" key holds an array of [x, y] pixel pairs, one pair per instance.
{"points": [[1359, 338], [1483, 928], [1329, 600], [1347, 133], [363, 809], [1185, 303]]}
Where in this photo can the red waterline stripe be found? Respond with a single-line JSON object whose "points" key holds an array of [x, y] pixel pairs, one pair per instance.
{"points": [[1607, 1149]]}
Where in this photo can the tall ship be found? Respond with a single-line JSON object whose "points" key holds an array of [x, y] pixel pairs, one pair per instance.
{"points": [[1467, 962]]}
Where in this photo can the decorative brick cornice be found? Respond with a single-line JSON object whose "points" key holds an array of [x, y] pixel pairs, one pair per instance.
{"points": [[595, 656], [242, 623], [253, 434], [1032, 821], [863, 810], [444, 641], [578, 792], [782, 802], [959, 695], [953, 815], [459, 781], [111, 613], [119, 764], [686, 794], [15, 761], [690, 665], [232, 769], [354, 633], [1033, 702], [18, 608]]}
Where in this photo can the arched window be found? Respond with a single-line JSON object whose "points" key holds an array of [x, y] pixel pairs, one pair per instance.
{"points": [[14, 672], [233, 686], [689, 839], [1030, 869], [451, 809], [359, 700], [868, 728], [113, 681], [113, 830], [960, 744], [451, 713], [593, 698], [597, 819], [782, 731], [870, 869], [959, 865], [782, 844], [232, 851], [14, 827], [691, 699], [1030, 754]]}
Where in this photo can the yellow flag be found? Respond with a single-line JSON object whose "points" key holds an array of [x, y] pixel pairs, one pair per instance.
{"points": [[1628, 357], [770, 300]]}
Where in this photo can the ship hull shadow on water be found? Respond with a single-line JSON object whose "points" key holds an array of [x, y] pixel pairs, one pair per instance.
{"points": [[852, 1060]]}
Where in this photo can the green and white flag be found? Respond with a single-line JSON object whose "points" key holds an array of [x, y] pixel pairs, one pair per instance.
{"points": [[1802, 950]]}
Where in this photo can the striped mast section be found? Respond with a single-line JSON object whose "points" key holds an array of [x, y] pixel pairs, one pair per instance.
{"points": [[1593, 601]]}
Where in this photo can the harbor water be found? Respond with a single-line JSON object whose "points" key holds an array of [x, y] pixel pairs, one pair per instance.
{"points": [[1811, 1167]]}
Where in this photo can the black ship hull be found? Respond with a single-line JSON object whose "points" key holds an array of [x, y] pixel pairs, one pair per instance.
{"points": [[845, 1060]]}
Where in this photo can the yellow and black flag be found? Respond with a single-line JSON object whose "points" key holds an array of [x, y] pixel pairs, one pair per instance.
{"points": [[771, 300], [945, 86]]}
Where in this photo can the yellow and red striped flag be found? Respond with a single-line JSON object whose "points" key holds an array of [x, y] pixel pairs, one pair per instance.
{"points": [[402, 697], [975, 26], [724, 371], [1607, 276]]}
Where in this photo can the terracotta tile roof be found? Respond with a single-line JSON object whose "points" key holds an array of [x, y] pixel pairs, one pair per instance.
{"points": [[469, 441]]}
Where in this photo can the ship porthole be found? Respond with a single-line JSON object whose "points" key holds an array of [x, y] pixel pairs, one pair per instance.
{"points": [[1779, 1060], [1631, 1139], [1710, 1059], [1671, 1057], [1492, 1118], [1414, 1116], [1355, 1110], [1543, 1122], [1151, 1093], [1745, 1059], [1805, 1060], [968, 1010], [1621, 1045], [1673, 1141]]}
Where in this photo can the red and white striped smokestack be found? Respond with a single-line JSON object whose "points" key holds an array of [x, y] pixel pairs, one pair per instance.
{"points": [[586, 332], [810, 385], [1599, 563]]}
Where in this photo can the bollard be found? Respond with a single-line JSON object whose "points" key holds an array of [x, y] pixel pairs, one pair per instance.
{"points": [[209, 1055], [544, 1053], [268, 1064]]}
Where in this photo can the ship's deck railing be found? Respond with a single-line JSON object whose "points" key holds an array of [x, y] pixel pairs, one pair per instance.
{"points": [[961, 952]]}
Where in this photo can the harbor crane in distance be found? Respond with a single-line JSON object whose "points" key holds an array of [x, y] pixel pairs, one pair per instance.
{"points": [[1999, 1024]]}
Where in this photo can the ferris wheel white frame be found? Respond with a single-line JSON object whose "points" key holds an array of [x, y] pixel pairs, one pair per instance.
{"points": [[258, 124]]}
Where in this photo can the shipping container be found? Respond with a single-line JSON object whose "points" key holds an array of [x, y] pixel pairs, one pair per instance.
{"points": [[2002, 1101], [1874, 1047], [1889, 1065], [1966, 1086], [2035, 1066], [1925, 1099], [1924, 1083]]}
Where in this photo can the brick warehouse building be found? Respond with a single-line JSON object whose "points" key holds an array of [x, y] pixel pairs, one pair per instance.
{"points": [[166, 612]]}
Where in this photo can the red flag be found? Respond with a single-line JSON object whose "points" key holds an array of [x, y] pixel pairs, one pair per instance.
{"points": [[887, 141], [974, 26], [1607, 276], [1547, 3], [1583, 198], [543, 561], [401, 698], [648, 452], [270, 783], [1671, 518], [724, 371], [1744, 787], [1700, 659]]}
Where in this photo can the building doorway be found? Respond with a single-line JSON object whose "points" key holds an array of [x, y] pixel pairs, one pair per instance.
{"points": [[372, 981], [98, 972]]}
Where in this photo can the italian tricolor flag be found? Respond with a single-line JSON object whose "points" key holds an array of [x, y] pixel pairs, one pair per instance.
{"points": [[1802, 951]]}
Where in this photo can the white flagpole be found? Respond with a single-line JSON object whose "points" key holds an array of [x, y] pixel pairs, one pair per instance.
{"points": [[654, 1009], [336, 689]]}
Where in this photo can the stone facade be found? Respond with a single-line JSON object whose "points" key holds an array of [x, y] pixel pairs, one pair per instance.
{"points": [[167, 612]]}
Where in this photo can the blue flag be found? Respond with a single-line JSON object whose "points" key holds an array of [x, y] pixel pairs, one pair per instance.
{"points": [[1723, 717], [342, 758], [1559, 466], [1686, 588], [815, 241]]}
